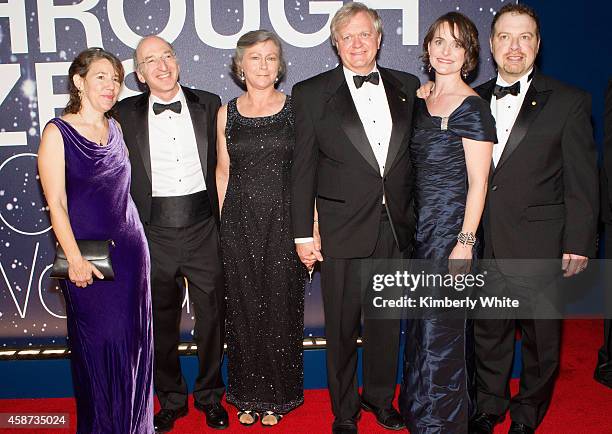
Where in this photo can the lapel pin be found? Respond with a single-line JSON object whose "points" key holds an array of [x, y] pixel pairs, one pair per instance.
{"points": [[402, 98], [533, 103]]}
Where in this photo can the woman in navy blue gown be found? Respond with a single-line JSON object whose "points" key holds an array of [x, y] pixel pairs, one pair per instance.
{"points": [[85, 173], [451, 151]]}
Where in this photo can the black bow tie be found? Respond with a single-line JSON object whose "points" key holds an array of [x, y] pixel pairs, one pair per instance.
{"points": [[502, 91], [174, 106], [372, 77]]}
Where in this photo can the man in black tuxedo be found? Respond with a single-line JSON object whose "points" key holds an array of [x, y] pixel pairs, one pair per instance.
{"points": [[170, 134], [603, 370], [542, 204], [353, 126]]}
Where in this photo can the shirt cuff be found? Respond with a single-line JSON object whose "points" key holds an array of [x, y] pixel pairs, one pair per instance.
{"points": [[304, 240]]}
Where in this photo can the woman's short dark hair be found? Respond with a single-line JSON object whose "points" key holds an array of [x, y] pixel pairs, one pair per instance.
{"points": [[465, 33], [80, 66], [252, 38]]}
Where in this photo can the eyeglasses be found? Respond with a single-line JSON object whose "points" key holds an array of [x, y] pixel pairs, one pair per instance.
{"points": [[151, 61]]}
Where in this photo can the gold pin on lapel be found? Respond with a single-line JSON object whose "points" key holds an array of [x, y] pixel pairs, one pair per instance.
{"points": [[402, 98], [533, 103]]}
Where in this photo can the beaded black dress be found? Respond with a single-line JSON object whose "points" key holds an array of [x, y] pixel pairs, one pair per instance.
{"points": [[264, 277]]}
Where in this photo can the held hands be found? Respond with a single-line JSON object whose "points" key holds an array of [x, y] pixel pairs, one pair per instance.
{"points": [[573, 264], [310, 252], [81, 272], [460, 259]]}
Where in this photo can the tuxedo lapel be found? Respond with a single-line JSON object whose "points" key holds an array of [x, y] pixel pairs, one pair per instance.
{"points": [[534, 102], [141, 119], [197, 112], [400, 106], [342, 103], [485, 90]]}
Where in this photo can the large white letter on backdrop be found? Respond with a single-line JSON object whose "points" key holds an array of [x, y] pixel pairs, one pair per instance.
{"points": [[10, 74], [208, 35], [14, 10], [278, 18], [47, 100], [48, 13], [116, 18], [128, 67], [410, 17]]}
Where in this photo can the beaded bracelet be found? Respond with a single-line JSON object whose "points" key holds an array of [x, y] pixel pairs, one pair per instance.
{"points": [[466, 238]]}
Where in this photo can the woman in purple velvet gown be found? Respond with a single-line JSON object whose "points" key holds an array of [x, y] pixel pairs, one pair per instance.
{"points": [[85, 174]]}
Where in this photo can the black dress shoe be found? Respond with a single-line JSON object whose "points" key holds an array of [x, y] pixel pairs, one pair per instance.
{"points": [[164, 420], [520, 428], [483, 423], [603, 378], [386, 417], [346, 426], [216, 416]]}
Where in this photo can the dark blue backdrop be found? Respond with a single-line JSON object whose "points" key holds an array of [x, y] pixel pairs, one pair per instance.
{"points": [[576, 47]]}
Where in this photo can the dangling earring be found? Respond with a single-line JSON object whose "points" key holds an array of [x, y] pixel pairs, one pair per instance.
{"points": [[242, 78], [429, 68], [276, 79], [464, 72]]}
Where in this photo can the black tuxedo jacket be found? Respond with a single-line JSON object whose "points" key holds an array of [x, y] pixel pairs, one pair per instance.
{"points": [[133, 116], [542, 198], [606, 175], [334, 163]]}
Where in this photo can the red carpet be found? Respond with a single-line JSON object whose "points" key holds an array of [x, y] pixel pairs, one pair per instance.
{"points": [[580, 405]]}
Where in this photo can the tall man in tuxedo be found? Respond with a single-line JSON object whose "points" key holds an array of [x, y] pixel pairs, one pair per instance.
{"points": [[170, 134], [353, 126], [603, 370], [542, 204]]}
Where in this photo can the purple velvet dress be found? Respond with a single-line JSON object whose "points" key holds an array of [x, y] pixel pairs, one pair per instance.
{"points": [[109, 323]]}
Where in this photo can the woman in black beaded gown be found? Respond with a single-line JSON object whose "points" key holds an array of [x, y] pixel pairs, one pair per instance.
{"points": [[264, 277], [451, 151]]}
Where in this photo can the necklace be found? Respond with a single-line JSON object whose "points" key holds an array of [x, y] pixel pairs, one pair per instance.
{"points": [[102, 134]]}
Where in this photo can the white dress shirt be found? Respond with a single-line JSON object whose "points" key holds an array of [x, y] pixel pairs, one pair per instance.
{"points": [[373, 109], [175, 162], [505, 112]]}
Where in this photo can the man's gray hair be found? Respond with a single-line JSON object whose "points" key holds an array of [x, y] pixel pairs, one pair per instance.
{"points": [[348, 11]]}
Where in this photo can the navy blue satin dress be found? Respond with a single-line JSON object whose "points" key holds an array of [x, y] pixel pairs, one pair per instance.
{"points": [[436, 393]]}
